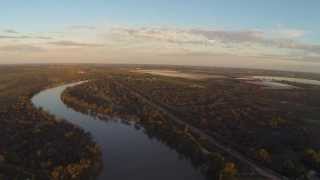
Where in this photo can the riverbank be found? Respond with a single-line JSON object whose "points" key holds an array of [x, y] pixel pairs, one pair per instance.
{"points": [[126, 146], [88, 99], [34, 144], [83, 154], [124, 95]]}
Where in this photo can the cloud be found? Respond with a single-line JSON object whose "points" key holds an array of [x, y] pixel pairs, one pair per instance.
{"points": [[82, 27], [42, 37], [24, 37], [288, 33], [313, 48], [14, 37], [178, 36], [277, 41], [21, 48], [74, 44], [230, 36], [10, 31]]}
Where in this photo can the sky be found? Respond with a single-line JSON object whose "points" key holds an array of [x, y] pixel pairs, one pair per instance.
{"points": [[273, 34]]}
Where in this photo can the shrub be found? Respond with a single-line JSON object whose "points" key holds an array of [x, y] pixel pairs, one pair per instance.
{"points": [[263, 155], [229, 171]]}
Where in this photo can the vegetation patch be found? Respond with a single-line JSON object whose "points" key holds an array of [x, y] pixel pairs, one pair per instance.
{"points": [[35, 145]]}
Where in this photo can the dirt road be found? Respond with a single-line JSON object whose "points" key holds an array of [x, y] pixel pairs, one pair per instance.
{"points": [[265, 172]]}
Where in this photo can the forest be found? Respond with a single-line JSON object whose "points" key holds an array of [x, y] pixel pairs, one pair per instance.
{"points": [[105, 97], [35, 145], [273, 129], [264, 125]]}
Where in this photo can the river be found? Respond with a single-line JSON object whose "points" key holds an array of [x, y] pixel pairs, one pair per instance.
{"points": [[127, 152]]}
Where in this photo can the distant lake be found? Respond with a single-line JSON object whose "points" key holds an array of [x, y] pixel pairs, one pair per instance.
{"points": [[277, 82], [272, 85], [128, 153], [296, 80]]}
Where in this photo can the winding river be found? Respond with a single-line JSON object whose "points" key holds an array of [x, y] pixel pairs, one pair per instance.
{"points": [[128, 153]]}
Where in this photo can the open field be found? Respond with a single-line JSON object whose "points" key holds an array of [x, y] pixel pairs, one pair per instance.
{"points": [[173, 73]]}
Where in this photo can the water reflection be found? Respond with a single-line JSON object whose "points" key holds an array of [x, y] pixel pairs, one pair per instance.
{"points": [[295, 80], [277, 82], [129, 150]]}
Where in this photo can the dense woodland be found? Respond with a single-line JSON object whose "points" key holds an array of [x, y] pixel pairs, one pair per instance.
{"points": [[263, 124], [274, 128], [106, 97], [33, 144]]}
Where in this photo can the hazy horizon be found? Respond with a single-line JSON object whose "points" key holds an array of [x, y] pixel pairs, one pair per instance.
{"points": [[278, 35]]}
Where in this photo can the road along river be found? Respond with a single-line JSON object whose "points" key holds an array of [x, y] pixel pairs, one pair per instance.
{"points": [[128, 153]]}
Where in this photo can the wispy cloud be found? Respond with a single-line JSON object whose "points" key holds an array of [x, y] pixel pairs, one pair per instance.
{"points": [[21, 48], [82, 27], [160, 35], [230, 36], [286, 33], [276, 40], [24, 37], [10, 31], [124, 42], [42, 37], [14, 37], [312, 48], [74, 44]]}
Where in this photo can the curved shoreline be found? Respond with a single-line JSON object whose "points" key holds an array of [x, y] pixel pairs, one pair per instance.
{"points": [[88, 167], [110, 135]]}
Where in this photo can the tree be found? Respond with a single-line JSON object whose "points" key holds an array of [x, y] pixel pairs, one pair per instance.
{"points": [[263, 155], [216, 165], [229, 171], [293, 169], [277, 121], [1, 158], [312, 158]]}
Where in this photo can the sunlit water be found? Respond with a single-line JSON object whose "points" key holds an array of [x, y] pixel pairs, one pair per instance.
{"points": [[128, 153], [277, 82], [272, 85], [296, 80]]}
